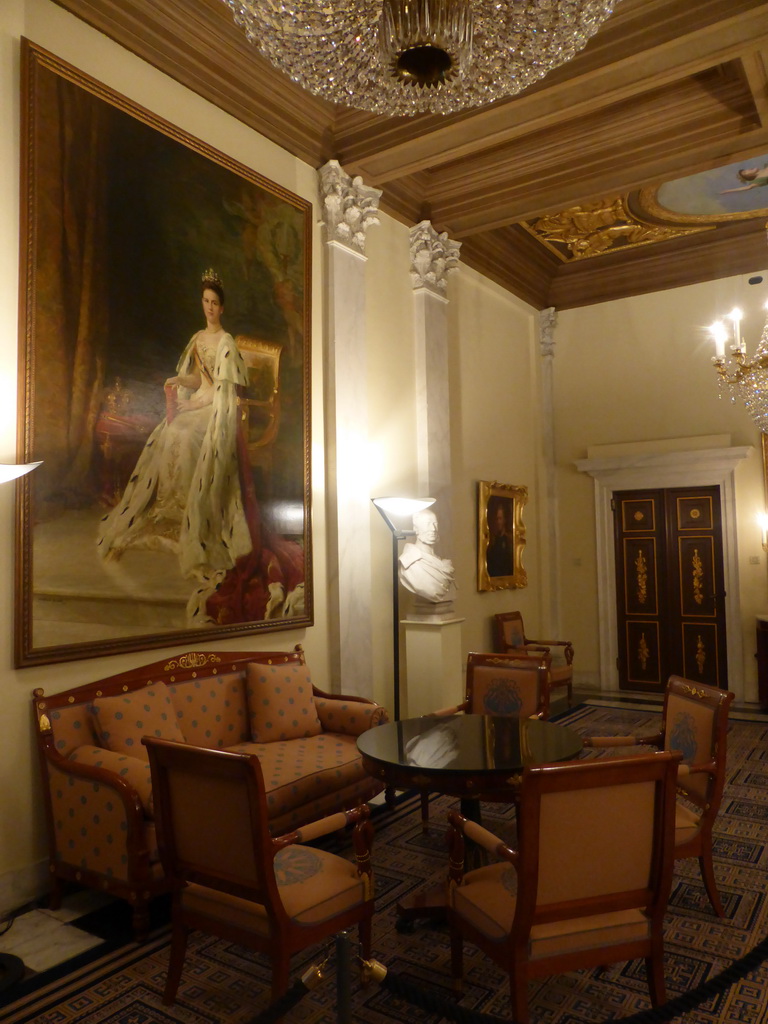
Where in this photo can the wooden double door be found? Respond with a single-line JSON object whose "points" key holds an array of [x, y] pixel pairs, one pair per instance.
{"points": [[669, 587]]}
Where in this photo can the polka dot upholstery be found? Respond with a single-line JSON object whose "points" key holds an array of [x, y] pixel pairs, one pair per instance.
{"points": [[121, 721], [91, 825], [103, 833], [212, 711], [281, 702], [132, 769], [349, 717], [72, 728]]}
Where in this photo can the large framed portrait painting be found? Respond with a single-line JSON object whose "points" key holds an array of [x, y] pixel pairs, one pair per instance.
{"points": [[164, 348], [500, 536]]}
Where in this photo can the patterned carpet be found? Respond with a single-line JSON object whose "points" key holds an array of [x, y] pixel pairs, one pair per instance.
{"points": [[225, 983]]}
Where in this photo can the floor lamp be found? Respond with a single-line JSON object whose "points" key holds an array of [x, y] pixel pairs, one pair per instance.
{"points": [[12, 967], [392, 510]]}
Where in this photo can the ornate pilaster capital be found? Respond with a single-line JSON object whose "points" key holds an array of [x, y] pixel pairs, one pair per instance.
{"points": [[433, 257], [349, 206], [547, 321]]}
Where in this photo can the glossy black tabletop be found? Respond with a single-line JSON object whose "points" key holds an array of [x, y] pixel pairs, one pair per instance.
{"points": [[460, 753]]}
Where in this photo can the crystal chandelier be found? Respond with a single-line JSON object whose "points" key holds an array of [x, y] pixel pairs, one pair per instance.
{"points": [[738, 376], [399, 57]]}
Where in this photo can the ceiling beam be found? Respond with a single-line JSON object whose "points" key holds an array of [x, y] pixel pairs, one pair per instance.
{"points": [[380, 155]]}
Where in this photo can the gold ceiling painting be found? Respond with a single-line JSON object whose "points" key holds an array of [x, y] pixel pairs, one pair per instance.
{"points": [[683, 206]]}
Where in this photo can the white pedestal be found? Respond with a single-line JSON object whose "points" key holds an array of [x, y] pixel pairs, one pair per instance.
{"points": [[434, 667]]}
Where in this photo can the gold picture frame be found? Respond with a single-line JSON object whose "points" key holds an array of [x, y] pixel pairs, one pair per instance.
{"points": [[500, 536], [130, 224]]}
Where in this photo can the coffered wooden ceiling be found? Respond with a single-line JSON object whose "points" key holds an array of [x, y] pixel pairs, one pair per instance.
{"points": [[667, 88]]}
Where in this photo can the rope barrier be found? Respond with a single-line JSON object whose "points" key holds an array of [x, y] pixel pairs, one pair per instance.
{"points": [[434, 1002], [310, 979]]}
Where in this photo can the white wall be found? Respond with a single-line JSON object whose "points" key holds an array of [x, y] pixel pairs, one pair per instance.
{"points": [[637, 370], [627, 371], [495, 405], [493, 412], [22, 842]]}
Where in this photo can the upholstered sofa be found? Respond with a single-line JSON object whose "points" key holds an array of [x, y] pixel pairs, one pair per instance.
{"points": [[96, 778]]}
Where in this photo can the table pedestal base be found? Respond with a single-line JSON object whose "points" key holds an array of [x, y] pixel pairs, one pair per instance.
{"points": [[429, 903]]}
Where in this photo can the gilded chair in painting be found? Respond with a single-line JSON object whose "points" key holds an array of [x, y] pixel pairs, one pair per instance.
{"points": [[232, 879], [509, 637], [501, 684], [261, 403], [589, 884], [694, 721]]}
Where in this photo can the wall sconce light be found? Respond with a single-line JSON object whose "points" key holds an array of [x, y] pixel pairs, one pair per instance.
{"points": [[12, 472], [762, 519], [392, 510]]}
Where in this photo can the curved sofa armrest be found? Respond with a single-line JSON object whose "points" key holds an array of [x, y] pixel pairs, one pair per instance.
{"points": [[98, 821], [348, 715], [132, 769]]}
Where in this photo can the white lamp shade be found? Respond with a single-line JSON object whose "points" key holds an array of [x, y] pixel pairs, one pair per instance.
{"points": [[402, 506], [12, 472]]}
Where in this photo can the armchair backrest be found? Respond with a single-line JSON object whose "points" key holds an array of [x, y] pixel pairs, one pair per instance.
{"points": [[695, 722], [615, 817], [506, 684], [262, 396], [211, 818], [508, 631]]}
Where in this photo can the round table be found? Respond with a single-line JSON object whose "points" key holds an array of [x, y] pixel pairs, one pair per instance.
{"points": [[468, 756], [462, 755]]}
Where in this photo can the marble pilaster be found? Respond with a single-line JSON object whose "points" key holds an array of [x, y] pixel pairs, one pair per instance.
{"points": [[433, 257], [547, 323], [349, 209]]}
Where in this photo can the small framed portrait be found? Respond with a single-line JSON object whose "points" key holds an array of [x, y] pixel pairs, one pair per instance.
{"points": [[500, 536]]}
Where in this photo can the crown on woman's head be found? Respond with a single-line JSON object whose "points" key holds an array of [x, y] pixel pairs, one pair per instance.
{"points": [[211, 277]]}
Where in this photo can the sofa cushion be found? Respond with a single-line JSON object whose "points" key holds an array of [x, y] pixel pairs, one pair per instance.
{"points": [[130, 768], [281, 703], [298, 773], [121, 721]]}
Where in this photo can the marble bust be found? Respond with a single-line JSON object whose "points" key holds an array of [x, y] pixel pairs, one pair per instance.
{"points": [[424, 573]]}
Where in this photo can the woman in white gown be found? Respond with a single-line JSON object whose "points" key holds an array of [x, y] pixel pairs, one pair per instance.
{"points": [[185, 493]]}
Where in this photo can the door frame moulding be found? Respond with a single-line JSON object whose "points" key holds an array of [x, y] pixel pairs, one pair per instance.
{"points": [[711, 467]]}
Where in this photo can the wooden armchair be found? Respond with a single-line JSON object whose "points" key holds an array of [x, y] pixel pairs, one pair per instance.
{"points": [[261, 402], [694, 721], [509, 636], [232, 879], [538, 912], [501, 684]]}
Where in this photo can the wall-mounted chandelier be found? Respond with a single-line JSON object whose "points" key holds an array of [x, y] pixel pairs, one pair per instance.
{"points": [[739, 376], [416, 56]]}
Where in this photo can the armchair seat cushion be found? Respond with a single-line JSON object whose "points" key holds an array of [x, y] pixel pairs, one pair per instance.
{"points": [[594, 932], [687, 823], [314, 886], [478, 900], [560, 673]]}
